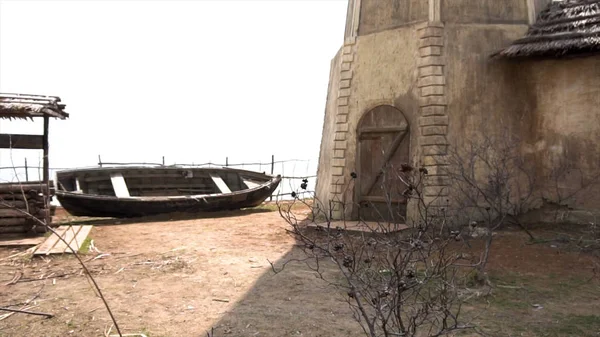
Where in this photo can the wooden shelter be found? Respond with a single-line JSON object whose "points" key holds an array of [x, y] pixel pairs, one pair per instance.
{"points": [[32, 197]]}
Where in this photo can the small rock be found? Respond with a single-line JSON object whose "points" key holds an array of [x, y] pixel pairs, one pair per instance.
{"points": [[252, 259], [189, 307]]}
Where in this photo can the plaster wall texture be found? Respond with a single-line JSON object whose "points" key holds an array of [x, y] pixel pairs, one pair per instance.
{"points": [[440, 76]]}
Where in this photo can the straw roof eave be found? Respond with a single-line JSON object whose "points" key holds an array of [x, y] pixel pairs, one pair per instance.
{"points": [[20, 106], [563, 29]]}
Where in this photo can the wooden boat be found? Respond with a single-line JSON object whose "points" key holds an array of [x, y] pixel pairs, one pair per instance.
{"points": [[141, 190]]}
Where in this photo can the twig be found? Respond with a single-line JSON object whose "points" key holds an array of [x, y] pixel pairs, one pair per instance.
{"points": [[221, 300], [43, 223], [15, 279], [28, 312], [24, 307]]}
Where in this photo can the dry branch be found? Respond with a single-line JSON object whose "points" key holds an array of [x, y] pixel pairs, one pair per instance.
{"points": [[91, 278], [27, 312]]}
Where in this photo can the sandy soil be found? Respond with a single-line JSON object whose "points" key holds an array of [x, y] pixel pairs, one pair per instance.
{"points": [[171, 278], [182, 277]]}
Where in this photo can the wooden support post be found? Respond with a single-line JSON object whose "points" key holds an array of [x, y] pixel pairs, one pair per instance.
{"points": [[46, 169], [272, 163], [99, 161], [163, 160], [26, 171], [272, 170], [226, 161]]}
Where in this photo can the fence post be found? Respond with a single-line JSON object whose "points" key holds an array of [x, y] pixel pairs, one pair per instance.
{"points": [[272, 170], [99, 161], [26, 171], [163, 161], [226, 161]]}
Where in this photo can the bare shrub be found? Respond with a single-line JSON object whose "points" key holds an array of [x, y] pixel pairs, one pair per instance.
{"points": [[397, 282], [491, 186], [494, 184]]}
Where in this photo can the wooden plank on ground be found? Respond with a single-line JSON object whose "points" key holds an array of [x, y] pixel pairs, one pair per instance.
{"points": [[79, 239], [20, 240], [51, 241], [61, 246], [220, 183], [119, 185]]}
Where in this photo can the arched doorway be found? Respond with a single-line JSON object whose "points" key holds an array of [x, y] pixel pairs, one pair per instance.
{"points": [[383, 145]]}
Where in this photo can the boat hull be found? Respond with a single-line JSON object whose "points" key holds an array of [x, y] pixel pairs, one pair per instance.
{"points": [[91, 205]]}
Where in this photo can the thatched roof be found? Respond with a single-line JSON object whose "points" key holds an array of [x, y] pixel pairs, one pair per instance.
{"points": [[29, 106], [563, 28]]}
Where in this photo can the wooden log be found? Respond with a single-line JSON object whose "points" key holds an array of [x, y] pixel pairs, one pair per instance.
{"points": [[19, 196], [31, 196], [13, 221], [18, 213], [46, 165], [14, 229], [22, 204], [25, 187], [42, 214], [21, 229]]}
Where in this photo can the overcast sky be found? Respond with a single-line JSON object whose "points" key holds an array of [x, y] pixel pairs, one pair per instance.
{"points": [[189, 80]]}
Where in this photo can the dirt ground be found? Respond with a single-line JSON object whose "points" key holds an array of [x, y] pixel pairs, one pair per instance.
{"points": [[181, 277]]}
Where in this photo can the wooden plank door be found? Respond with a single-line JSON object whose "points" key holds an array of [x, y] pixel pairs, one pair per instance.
{"points": [[383, 145]]}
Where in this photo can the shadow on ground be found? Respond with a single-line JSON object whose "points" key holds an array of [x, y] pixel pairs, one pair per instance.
{"points": [[161, 217], [303, 306]]}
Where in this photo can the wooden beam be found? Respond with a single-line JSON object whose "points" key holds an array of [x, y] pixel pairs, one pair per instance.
{"points": [[375, 132], [384, 129], [46, 169], [10, 141], [220, 183], [119, 185]]}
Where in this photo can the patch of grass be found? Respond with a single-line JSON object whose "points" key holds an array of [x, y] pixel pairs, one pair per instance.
{"points": [[268, 206], [85, 246], [570, 325], [510, 309]]}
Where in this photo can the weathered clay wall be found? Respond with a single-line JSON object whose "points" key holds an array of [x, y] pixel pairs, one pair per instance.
{"points": [[385, 74], [551, 106], [377, 69], [566, 126], [497, 11], [479, 90], [380, 15], [349, 15], [326, 152], [441, 77]]}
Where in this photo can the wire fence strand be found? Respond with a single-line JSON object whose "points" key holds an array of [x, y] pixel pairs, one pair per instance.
{"points": [[289, 185]]}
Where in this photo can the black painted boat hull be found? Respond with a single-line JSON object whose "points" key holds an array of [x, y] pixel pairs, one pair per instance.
{"points": [[93, 205]]}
